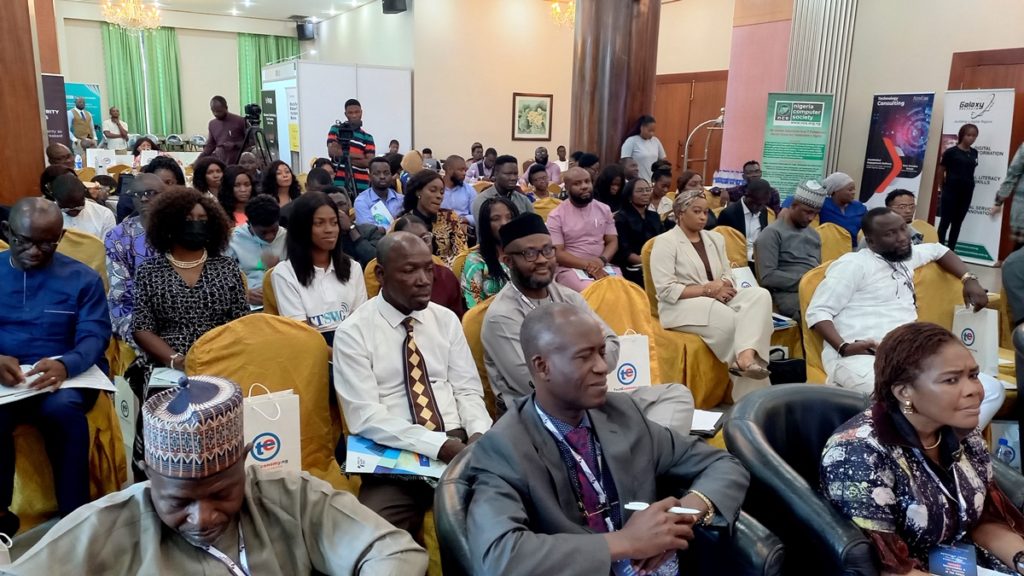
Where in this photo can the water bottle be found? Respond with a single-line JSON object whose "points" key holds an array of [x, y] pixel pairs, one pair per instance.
{"points": [[1005, 453], [78, 161]]}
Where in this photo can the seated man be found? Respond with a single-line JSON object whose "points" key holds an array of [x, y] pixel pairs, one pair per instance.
{"points": [[58, 154], [749, 216], [552, 479], [258, 244], [868, 293], [904, 203], [789, 247], [751, 172], [378, 192], [398, 351], [79, 213], [528, 254], [458, 194], [360, 243], [584, 234], [204, 512], [50, 306], [447, 290]]}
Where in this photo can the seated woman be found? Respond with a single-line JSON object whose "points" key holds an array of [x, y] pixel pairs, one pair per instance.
{"points": [[696, 293], [280, 182], [445, 290], [690, 180], [608, 186], [188, 289], [841, 206], [544, 202], [423, 195], [207, 175], [318, 284], [661, 183], [142, 144], [636, 224], [484, 275], [913, 471], [259, 244], [235, 192]]}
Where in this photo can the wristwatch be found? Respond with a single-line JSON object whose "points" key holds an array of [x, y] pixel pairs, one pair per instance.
{"points": [[842, 347], [603, 259], [968, 276]]}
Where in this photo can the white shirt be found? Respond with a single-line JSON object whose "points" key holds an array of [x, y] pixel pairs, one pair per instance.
{"points": [[325, 303], [369, 376], [866, 297], [115, 143], [93, 219], [645, 152], [753, 222]]}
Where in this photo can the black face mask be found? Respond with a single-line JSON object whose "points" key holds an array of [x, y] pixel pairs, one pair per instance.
{"points": [[193, 235]]}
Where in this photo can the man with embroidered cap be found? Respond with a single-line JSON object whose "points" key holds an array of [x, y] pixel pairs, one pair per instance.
{"points": [[203, 512]]}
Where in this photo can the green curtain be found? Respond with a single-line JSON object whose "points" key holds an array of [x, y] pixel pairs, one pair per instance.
{"points": [[162, 83], [255, 51], [122, 58]]}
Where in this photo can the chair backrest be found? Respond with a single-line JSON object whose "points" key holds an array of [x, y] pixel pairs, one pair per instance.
{"points": [[938, 292], [451, 500], [771, 215], [554, 189], [645, 262], [472, 327], [813, 343], [735, 246], [931, 235], [3, 245], [370, 276], [460, 262], [717, 210], [88, 250], [269, 300], [118, 168], [835, 241], [86, 174], [624, 307], [482, 185]]}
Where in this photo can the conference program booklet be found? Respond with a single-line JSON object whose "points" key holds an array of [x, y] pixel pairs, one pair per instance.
{"points": [[91, 378], [368, 457]]}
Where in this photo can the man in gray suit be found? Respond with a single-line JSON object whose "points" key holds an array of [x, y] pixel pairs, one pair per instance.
{"points": [[552, 478]]}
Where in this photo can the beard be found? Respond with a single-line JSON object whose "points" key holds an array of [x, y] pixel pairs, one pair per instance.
{"points": [[897, 255], [581, 200], [529, 282], [539, 163], [456, 181]]}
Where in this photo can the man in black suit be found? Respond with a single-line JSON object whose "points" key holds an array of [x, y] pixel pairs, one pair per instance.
{"points": [[750, 214], [551, 480]]}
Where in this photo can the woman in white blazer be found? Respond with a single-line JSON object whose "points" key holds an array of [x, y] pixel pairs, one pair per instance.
{"points": [[696, 291]]}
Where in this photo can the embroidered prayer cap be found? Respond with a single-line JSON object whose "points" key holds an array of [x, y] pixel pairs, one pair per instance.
{"points": [[810, 194], [836, 181], [194, 430], [524, 225]]}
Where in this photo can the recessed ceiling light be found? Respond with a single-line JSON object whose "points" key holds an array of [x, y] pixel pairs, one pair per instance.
{"points": [[314, 20], [247, 3], [355, 3], [234, 11], [313, 52], [332, 12]]}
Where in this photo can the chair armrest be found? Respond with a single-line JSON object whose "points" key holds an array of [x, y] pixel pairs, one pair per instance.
{"points": [[1010, 482], [755, 550]]}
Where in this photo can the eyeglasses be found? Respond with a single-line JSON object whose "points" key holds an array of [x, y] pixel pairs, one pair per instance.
{"points": [[530, 254], [19, 240], [904, 206], [143, 194]]}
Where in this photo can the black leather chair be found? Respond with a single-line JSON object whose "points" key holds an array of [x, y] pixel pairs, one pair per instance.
{"points": [[757, 551]]}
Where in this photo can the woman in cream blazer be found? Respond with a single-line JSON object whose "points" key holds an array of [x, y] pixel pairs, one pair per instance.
{"points": [[700, 298]]}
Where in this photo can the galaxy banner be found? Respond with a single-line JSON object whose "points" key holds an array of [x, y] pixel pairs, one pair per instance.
{"points": [[897, 141]]}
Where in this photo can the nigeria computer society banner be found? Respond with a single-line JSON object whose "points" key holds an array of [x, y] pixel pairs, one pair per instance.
{"points": [[795, 139], [897, 141]]}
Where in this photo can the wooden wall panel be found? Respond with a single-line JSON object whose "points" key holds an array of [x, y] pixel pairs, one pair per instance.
{"points": [[749, 12], [46, 37], [21, 139]]}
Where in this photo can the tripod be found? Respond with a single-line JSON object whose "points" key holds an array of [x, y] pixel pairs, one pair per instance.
{"points": [[345, 162], [257, 140]]}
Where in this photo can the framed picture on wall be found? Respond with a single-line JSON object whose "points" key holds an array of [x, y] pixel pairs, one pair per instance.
{"points": [[531, 116]]}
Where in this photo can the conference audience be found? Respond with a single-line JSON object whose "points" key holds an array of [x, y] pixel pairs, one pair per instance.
{"points": [[552, 169], [226, 133], [115, 131], [563, 163], [914, 465], [258, 245], [323, 163], [317, 180], [360, 240], [543, 202], [251, 163], [506, 176], [1009, 187], [207, 174], [167, 169], [643, 147], [635, 224], [405, 378], [393, 146], [318, 284], [572, 441], [583, 233], [127, 247], [904, 203], [423, 195], [482, 168], [692, 181], [841, 206], [142, 144], [235, 192], [429, 162], [630, 169], [58, 154], [53, 319], [81, 214], [205, 511], [49, 175], [868, 293], [749, 216], [476, 153], [697, 294], [752, 171], [483, 274], [280, 182], [789, 247], [361, 149], [412, 164], [661, 184], [608, 186], [956, 178], [188, 290], [379, 192], [458, 194], [446, 290]]}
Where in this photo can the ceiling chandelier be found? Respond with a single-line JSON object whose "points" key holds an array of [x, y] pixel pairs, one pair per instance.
{"points": [[564, 13], [131, 15]]}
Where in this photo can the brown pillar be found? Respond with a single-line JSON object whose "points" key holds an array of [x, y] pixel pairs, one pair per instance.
{"points": [[616, 54], [22, 137]]}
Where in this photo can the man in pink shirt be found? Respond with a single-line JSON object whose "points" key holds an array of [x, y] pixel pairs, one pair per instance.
{"points": [[583, 233]]}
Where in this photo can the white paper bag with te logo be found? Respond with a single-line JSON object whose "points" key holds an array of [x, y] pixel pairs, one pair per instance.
{"points": [[127, 406], [271, 423], [634, 368], [979, 332], [743, 277]]}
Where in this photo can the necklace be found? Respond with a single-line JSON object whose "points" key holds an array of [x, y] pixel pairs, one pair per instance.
{"points": [[933, 446], [185, 265]]}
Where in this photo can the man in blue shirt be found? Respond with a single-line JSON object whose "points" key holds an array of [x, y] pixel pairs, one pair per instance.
{"points": [[380, 191], [458, 195], [51, 306]]}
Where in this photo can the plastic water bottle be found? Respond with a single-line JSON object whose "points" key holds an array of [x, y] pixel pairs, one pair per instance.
{"points": [[78, 161], [1005, 453]]}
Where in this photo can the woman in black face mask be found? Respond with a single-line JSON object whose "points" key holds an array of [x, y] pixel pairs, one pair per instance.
{"points": [[188, 289]]}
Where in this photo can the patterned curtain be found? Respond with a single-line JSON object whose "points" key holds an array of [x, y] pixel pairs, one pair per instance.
{"points": [[255, 51]]}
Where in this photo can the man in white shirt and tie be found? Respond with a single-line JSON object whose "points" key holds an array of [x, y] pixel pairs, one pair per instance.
{"points": [[115, 131], [406, 379], [80, 127]]}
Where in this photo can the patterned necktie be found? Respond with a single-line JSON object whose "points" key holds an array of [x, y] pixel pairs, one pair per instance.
{"points": [[579, 439], [421, 396]]}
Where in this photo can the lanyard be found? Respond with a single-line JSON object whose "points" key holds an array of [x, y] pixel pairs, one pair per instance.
{"points": [[235, 569], [532, 306], [602, 497], [942, 486]]}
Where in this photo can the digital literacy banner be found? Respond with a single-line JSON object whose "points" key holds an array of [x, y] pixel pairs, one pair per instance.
{"points": [[795, 139], [992, 112], [56, 110], [897, 141], [91, 94]]}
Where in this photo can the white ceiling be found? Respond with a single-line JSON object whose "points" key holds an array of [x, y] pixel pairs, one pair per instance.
{"points": [[264, 9]]}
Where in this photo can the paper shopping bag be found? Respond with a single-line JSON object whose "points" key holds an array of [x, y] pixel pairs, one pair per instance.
{"points": [[979, 332], [634, 368], [744, 278], [271, 423], [127, 406]]}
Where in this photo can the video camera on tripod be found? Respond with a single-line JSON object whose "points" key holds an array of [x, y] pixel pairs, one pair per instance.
{"points": [[346, 132], [255, 140], [252, 114]]}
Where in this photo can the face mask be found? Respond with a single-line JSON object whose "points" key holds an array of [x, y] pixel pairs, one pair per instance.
{"points": [[193, 235]]}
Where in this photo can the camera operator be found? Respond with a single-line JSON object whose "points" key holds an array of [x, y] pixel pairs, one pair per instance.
{"points": [[227, 133], [360, 148]]}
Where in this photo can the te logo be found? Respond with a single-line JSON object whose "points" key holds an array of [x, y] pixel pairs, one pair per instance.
{"points": [[967, 337], [626, 374], [745, 284], [124, 408], [265, 446]]}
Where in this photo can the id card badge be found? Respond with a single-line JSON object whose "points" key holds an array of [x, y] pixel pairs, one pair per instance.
{"points": [[624, 568], [958, 560]]}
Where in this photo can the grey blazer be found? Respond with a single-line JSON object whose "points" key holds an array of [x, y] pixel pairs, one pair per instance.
{"points": [[522, 515]]}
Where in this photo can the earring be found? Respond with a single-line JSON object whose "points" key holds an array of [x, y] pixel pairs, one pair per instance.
{"points": [[907, 408]]}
